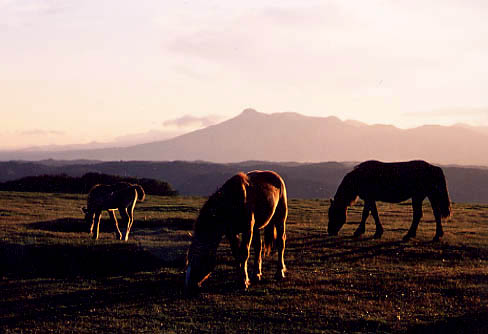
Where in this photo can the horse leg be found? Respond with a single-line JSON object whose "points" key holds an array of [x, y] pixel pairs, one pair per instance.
{"points": [[126, 219], [245, 251], [131, 219], [258, 259], [376, 217], [113, 218], [98, 215], [92, 224], [362, 226], [234, 246], [438, 221], [417, 215], [280, 245]]}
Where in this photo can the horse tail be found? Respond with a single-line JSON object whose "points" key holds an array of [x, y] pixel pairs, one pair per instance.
{"points": [[278, 222], [140, 192], [442, 194], [269, 238]]}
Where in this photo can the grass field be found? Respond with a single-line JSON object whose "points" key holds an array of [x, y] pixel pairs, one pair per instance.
{"points": [[54, 278]]}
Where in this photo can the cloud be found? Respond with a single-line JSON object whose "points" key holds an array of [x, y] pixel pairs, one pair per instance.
{"points": [[23, 13], [39, 132], [188, 121]]}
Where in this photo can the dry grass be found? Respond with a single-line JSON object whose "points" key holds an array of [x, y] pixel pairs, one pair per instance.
{"points": [[54, 278]]}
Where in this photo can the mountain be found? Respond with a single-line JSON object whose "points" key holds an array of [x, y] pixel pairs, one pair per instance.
{"points": [[294, 137]]}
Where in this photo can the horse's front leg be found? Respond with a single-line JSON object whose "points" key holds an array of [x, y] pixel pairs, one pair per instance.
{"points": [[362, 225], [258, 259], [234, 246], [92, 224], [376, 217], [96, 222]]}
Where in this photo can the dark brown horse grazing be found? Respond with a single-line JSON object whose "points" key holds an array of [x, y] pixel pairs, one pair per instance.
{"points": [[393, 183], [246, 203], [120, 196]]}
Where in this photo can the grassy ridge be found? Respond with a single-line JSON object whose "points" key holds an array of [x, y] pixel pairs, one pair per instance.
{"points": [[55, 278]]}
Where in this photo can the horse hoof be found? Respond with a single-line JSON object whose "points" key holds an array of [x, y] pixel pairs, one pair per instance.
{"points": [[256, 278], [377, 235], [437, 238], [358, 233], [280, 275], [407, 237]]}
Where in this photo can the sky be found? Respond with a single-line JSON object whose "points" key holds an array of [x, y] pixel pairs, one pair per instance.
{"points": [[74, 72]]}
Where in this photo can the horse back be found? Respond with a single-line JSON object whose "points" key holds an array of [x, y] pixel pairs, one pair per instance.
{"points": [[397, 181]]}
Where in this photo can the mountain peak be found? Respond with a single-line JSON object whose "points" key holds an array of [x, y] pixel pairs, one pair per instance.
{"points": [[249, 112]]}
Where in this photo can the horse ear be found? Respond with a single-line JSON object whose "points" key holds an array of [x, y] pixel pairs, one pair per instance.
{"points": [[331, 201]]}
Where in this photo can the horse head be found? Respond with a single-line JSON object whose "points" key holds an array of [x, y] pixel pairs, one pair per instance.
{"points": [[200, 262], [88, 215], [337, 217]]}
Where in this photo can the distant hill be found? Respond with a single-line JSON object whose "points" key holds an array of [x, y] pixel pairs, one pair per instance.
{"points": [[318, 180], [294, 137]]}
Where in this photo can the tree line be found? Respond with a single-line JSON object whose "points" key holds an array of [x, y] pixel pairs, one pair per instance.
{"points": [[63, 183]]}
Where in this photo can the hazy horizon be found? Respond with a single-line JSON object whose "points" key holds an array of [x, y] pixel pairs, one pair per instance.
{"points": [[114, 71]]}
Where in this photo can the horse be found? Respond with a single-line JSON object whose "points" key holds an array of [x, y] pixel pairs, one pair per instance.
{"points": [[120, 196], [245, 204], [393, 183]]}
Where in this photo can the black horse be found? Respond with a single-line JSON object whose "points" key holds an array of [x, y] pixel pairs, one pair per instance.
{"points": [[393, 183]]}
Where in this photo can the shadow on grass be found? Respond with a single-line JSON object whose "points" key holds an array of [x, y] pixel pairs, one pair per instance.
{"points": [[350, 249], [88, 302], [90, 260], [74, 225], [468, 323], [66, 225]]}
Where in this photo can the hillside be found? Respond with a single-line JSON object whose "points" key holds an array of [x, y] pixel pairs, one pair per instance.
{"points": [[320, 180], [294, 137]]}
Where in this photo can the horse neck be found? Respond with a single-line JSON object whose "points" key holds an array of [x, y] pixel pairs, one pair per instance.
{"points": [[346, 193], [207, 238]]}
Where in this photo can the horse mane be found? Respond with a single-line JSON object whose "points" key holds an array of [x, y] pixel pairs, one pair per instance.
{"points": [[346, 194], [231, 195]]}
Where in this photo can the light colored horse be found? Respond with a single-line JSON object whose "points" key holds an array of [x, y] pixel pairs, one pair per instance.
{"points": [[121, 196], [245, 204]]}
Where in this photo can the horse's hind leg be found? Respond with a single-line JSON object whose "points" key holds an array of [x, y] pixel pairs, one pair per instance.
{"points": [[126, 219], [130, 213], [280, 245], [438, 221], [244, 256], [113, 218], [417, 215], [376, 217], [258, 259]]}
